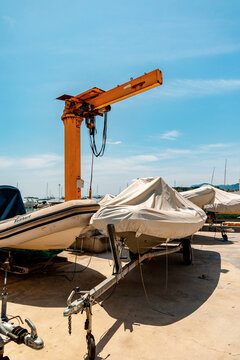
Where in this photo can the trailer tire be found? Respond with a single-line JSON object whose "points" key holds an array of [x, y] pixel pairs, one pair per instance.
{"points": [[133, 256], [5, 358], [187, 251], [225, 237], [91, 347]]}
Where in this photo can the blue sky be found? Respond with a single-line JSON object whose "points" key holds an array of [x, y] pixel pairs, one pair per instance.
{"points": [[180, 130]]}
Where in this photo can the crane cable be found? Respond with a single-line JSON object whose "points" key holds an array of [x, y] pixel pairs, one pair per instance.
{"points": [[92, 134], [93, 146], [91, 178]]}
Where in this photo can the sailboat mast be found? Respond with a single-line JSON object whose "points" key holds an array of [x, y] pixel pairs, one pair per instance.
{"points": [[212, 176], [225, 174]]}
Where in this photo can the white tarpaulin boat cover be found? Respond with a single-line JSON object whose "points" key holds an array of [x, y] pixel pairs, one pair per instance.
{"points": [[214, 200], [201, 196], [106, 199], [224, 203], [149, 206]]}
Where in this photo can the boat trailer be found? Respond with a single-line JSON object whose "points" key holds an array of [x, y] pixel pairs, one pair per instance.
{"points": [[88, 298]]}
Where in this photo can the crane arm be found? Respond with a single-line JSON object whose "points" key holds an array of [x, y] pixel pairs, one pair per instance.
{"points": [[95, 101]]}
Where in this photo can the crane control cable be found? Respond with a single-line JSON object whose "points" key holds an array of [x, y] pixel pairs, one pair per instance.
{"points": [[91, 178], [92, 134]]}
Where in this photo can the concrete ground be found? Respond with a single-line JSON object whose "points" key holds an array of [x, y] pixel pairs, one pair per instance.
{"points": [[192, 312]]}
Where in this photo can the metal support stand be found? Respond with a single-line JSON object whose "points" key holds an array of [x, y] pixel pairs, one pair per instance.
{"points": [[224, 234], [12, 332], [4, 294], [114, 248]]}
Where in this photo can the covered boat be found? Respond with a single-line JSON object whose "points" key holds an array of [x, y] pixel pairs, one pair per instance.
{"points": [[214, 200], [201, 196], [106, 199], [147, 213], [53, 227], [224, 203]]}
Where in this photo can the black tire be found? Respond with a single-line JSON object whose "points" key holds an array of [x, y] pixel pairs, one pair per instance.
{"points": [[5, 358], [133, 256], [187, 251], [91, 347]]}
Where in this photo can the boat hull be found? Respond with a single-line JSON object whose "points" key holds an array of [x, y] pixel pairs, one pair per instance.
{"points": [[55, 227], [141, 244]]}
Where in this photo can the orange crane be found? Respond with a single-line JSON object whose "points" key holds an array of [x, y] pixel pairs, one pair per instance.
{"points": [[86, 106]]}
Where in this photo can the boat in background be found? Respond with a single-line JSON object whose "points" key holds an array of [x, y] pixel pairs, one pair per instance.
{"points": [[201, 196], [106, 199], [30, 202], [224, 203], [214, 200], [148, 213]]}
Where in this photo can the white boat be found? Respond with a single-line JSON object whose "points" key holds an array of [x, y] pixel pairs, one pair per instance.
{"points": [[224, 203], [53, 227], [106, 199], [30, 202], [201, 196], [214, 200], [147, 213]]}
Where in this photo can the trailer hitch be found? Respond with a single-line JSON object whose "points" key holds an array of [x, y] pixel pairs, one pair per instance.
{"points": [[16, 333]]}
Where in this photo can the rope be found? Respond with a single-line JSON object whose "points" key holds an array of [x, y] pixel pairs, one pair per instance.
{"points": [[145, 290], [75, 262], [104, 138], [166, 279], [74, 272], [91, 177]]}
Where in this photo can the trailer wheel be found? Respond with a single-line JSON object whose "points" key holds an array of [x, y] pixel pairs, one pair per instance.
{"points": [[5, 358], [187, 251], [225, 237], [91, 347]]}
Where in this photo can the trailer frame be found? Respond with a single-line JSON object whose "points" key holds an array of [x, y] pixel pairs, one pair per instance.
{"points": [[88, 298]]}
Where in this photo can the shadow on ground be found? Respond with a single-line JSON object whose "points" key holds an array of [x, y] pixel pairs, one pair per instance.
{"points": [[50, 289], [174, 290], [209, 240], [172, 297]]}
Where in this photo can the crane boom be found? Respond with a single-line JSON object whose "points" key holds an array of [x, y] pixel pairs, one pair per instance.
{"points": [[130, 88]]}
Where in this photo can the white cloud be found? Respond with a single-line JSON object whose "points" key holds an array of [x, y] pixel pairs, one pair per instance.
{"points": [[179, 151], [113, 142], [107, 166], [5, 162], [202, 51], [31, 162], [170, 135], [215, 146], [143, 158], [40, 161], [198, 87]]}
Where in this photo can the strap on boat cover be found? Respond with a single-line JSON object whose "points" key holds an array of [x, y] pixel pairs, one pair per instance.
{"points": [[11, 203]]}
